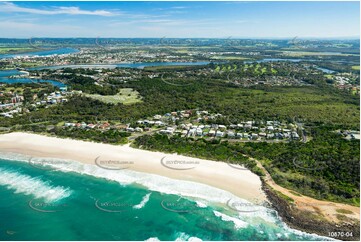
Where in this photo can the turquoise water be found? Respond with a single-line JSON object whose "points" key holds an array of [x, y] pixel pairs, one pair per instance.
{"points": [[61, 51], [85, 202], [4, 75], [4, 78]]}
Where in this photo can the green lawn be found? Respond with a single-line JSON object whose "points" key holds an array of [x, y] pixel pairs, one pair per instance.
{"points": [[6, 50], [125, 96]]}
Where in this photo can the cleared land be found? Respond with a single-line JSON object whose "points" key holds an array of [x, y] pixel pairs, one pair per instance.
{"points": [[310, 53], [125, 96], [6, 50]]}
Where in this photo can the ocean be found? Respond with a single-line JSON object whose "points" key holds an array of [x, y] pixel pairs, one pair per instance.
{"points": [[67, 200]]}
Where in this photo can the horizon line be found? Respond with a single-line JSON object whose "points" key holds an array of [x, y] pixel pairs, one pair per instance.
{"points": [[164, 37]]}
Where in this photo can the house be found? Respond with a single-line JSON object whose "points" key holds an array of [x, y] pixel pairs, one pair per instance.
{"points": [[215, 126], [295, 135], [254, 136], [7, 115], [239, 135], [262, 134], [249, 123], [157, 117], [247, 126], [222, 127], [230, 134], [69, 124], [279, 135], [219, 134], [184, 132], [121, 126], [104, 125], [91, 126], [188, 111], [270, 136], [129, 129], [212, 133], [171, 129], [199, 132], [192, 132], [138, 129], [159, 123], [183, 126], [233, 126], [270, 128]]}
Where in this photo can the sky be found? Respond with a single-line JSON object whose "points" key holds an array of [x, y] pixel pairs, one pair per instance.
{"points": [[180, 19]]}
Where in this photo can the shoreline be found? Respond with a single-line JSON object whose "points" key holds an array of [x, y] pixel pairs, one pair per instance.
{"points": [[311, 215], [306, 221], [240, 182]]}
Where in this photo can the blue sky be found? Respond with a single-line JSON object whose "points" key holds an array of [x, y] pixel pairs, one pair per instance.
{"points": [[180, 19]]}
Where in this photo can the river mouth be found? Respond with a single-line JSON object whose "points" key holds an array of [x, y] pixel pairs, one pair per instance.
{"points": [[5, 74]]}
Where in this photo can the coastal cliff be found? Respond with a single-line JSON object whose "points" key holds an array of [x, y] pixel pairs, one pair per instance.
{"points": [[311, 222]]}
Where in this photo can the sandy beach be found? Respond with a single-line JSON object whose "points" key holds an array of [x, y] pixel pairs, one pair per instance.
{"points": [[241, 182]]}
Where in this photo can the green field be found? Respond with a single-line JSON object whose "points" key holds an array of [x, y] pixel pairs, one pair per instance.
{"points": [[125, 96], [356, 68], [6, 50], [177, 67], [310, 53]]}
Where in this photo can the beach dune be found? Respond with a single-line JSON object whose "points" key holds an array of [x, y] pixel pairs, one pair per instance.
{"points": [[241, 182]]}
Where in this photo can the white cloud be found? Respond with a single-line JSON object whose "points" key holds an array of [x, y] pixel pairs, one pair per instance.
{"points": [[12, 8]]}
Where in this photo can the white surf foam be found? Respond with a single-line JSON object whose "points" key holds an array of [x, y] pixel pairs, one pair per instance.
{"points": [[14, 156], [126, 177], [201, 204], [195, 239], [237, 222], [152, 182], [152, 239], [181, 236], [168, 186], [32, 186], [143, 202]]}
